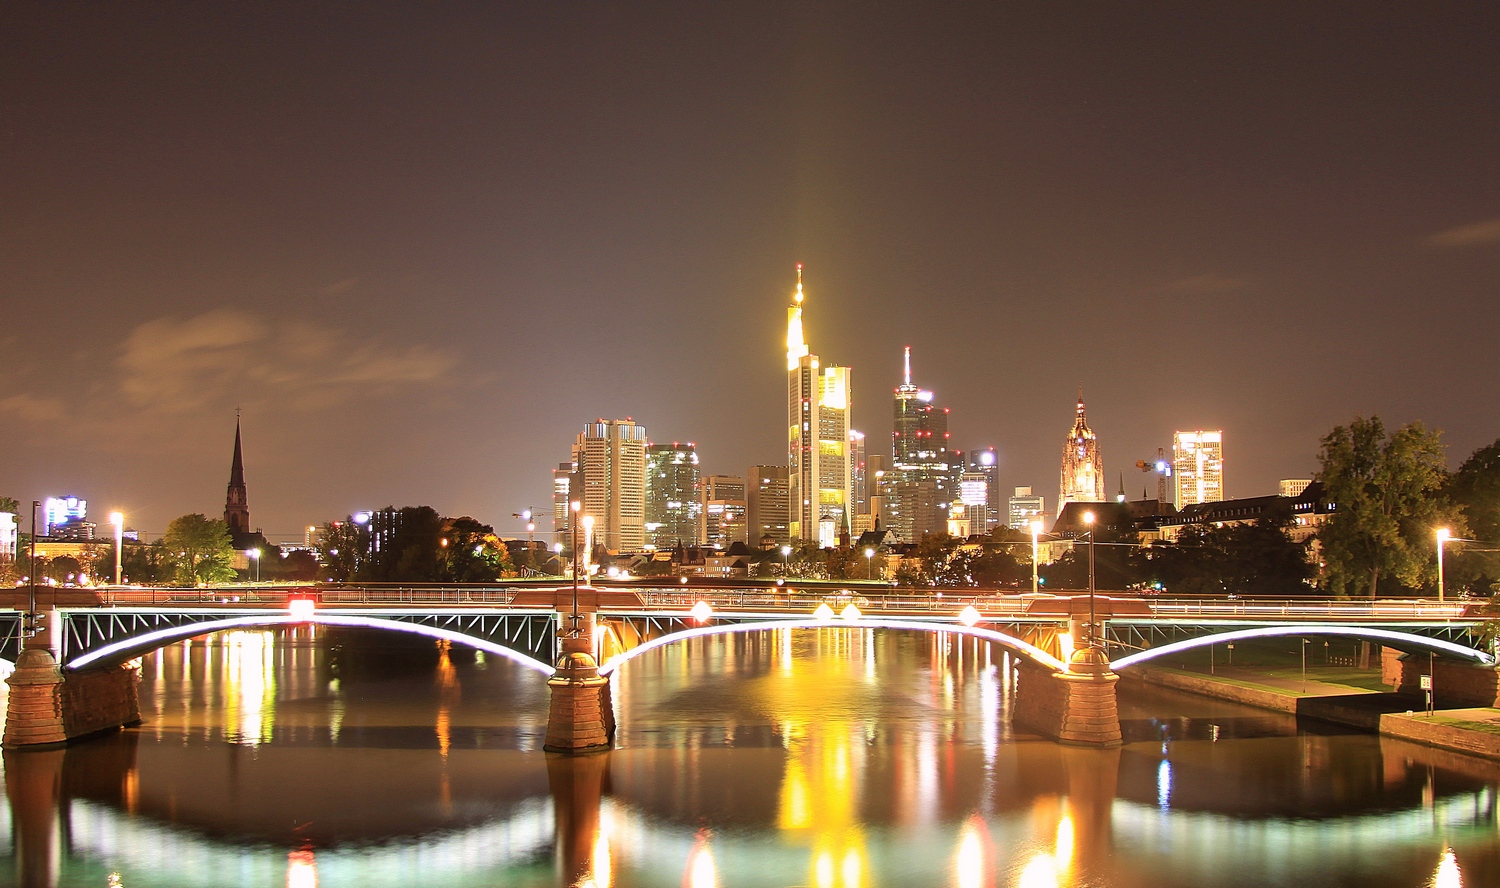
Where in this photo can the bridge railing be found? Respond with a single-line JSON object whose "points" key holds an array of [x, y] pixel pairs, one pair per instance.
{"points": [[1307, 609]]}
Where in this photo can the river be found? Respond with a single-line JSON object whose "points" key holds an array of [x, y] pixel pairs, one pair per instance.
{"points": [[829, 757]]}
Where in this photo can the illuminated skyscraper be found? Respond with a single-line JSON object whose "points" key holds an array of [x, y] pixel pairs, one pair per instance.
{"points": [[987, 464], [562, 486], [859, 494], [818, 402], [1082, 467], [611, 460], [1198, 460], [768, 507], [926, 471], [674, 512], [1026, 508]]}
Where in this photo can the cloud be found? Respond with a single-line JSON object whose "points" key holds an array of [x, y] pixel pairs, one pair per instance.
{"points": [[1207, 283], [26, 408], [173, 365], [1487, 232]]}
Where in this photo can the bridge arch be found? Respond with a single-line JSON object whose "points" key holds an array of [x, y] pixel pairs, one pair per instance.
{"points": [[1022, 648], [1365, 633], [136, 645]]}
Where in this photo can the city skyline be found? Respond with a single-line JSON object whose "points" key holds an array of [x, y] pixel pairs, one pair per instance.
{"points": [[419, 270]]}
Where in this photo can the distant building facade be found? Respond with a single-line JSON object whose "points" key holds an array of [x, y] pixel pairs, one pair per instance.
{"points": [[768, 505], [926, 471], [1024, 508], [610, 482], [674, 509], [725, 508], [1198, 465], [1292, 486]]}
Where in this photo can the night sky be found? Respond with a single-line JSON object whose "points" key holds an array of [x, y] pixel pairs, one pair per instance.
{"points": [[421, 244]]}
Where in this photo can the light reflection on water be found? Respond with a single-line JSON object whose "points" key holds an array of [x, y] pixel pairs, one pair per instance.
{"points": [[835, 758]]}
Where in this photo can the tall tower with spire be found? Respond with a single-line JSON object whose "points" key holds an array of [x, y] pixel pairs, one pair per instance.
{"points": [[1082, 467], [926, 475], [818, 465], [237, 503]]}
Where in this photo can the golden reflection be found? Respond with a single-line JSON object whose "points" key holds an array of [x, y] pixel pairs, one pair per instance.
{"points": [[603, 865], [819, 795], [132, 790], [974, 865], [1041, 872], [1064, 853], [1448, 875], [249, 685], [301, 870], [701, 872]]}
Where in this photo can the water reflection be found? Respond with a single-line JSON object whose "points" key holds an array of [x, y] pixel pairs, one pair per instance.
{"points": [[831, 757]]}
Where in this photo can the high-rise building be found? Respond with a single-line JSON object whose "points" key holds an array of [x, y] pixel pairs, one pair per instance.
{"points": [[859, 496], [724, 511], [1082, 466], [562, 487], [1025, 508], [926, 471], [9, 535], [768, 510], [1198, 462], [818, 403], [610, 482], [674, 509], [1290, 487], [60, 511], [987, 463]]}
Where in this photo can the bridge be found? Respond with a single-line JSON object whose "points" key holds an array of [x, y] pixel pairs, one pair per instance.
{"points": [[88, 633]]}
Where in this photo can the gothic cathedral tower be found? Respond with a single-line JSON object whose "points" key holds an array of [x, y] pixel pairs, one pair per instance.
{"points": [[236, 503], [1082, 467]]}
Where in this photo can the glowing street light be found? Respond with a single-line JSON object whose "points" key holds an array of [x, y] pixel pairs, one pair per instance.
{"points": [[1443, 535], [786, 560], [869, 563], [557, 552], [969, 616], [702, 611], [254, 556], [1088, 519], [118, 520]]}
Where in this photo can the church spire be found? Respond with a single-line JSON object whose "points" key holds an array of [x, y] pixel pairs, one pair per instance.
{"points": [[236, 502]]}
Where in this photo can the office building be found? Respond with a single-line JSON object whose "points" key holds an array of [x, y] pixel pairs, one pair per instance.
{"points": [[1292, 487], [1198, 464], [1082, 465], [768, 506], [610, 482], [58, 511], [818, 404], [674, 508], [562, 485], [858, 483], [987, 463], [1024, 508], [725, 508], [925, 471]]}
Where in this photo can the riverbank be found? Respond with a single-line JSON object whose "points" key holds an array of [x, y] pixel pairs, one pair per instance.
{"points": [[1473, 730]]}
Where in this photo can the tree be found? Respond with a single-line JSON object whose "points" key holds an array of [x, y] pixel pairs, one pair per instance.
{"points": [[1388, 499], [202, 549], [151, 565], [469, 552], [1475, 489], [1257, 558]]}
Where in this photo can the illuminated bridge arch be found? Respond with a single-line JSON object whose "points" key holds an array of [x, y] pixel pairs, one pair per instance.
{"points": [[1016, 645], [97, 639], [1391, 638]]}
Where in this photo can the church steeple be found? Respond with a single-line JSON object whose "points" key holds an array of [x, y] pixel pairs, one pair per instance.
{"points": [[236, 503]]}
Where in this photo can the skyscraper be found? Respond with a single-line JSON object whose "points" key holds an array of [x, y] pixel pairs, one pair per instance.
{"points": [[610, 482], [724, 511], [926, 473], [1198, 461], [986, 463], [1082, 467], [768, 510], [562, 488], [859, 494], [818, 403], [1025, 508], [674, 513]]}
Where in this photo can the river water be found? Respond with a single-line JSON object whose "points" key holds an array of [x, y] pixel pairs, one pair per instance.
{"points": [[830, 757]]}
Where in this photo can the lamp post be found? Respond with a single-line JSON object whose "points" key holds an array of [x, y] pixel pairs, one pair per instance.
{"points": [[254, 555], [557, 553], [869, 563], [576, 506], [118, 520], [786, 560], [1088, 519], [1443, 535], [32, 609], [1036, 530]]}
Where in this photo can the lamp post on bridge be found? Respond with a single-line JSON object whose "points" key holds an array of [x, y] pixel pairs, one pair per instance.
{"points": [[1036, 530], [1443, 535], [1088, 519], [576, 507]]}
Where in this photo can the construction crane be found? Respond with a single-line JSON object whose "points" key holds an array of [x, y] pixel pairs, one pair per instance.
{"points": [[1163, 469]]}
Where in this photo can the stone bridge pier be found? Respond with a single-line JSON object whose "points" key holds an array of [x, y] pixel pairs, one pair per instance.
{"points": [[1076, 707], [49, 707]]}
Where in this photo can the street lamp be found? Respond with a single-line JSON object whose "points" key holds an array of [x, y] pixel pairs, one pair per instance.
{"points": [[1036, 530], [254, 555], [1443, 535], [1088, 519], [576, 506], [786, 560], [118, 520], [557, 552], [869, 563]]}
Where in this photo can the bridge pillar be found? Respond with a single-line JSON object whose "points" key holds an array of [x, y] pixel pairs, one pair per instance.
{"points": [[581, 716], [1076, 707], [47, 708]]}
